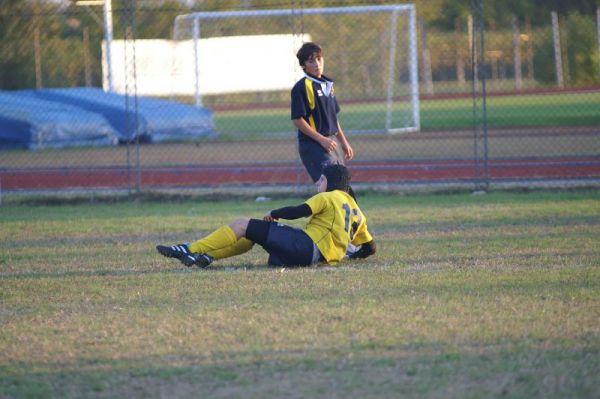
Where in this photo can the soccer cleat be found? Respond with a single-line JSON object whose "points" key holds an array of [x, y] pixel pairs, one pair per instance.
{"points": [[203, 260], [180, 251], [183, 253]]}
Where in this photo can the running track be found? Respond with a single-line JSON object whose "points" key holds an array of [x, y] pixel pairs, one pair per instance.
{"points": [[395, 172]]}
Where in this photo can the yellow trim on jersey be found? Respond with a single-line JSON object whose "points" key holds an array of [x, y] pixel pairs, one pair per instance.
{"points": [[336, 221], [310, 94]]}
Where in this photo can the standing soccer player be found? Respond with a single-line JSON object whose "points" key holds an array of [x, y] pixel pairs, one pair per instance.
{"points": [[321, 140]]}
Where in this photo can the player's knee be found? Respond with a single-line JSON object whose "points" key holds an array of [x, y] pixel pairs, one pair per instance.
{"points": [[239, 226]]}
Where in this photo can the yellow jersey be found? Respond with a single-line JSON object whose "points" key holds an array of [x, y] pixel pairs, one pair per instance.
{"points": [[336, 221]]}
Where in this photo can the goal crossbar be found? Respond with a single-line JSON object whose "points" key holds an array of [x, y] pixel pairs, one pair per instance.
{"points": [[293, 12]]}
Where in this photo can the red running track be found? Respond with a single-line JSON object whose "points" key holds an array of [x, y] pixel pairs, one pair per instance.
{"points": [[398, 172]]}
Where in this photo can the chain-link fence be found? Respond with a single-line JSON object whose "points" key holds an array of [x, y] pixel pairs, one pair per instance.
{"points": [[155, 95]]}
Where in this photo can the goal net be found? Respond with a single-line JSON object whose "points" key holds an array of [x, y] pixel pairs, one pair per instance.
{"points": [[245, 61]]}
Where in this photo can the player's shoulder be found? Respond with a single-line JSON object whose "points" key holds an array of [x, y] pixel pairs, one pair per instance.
{"points": [[300, 83], [322, 198], [320, 195], [339, 196], [347, 198], [334, 194]]}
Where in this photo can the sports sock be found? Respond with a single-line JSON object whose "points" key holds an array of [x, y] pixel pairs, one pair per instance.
{"points": [[220, 238], [239, 247]]}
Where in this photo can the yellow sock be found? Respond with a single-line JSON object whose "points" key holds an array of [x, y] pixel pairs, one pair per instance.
{"points": [[220, 238], [241, 246]]}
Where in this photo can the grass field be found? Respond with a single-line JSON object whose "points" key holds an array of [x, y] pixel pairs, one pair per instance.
{"points": [[469, 296], [563, 109]]}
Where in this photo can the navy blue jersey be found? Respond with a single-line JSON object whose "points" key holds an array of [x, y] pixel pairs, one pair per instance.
{"points": [[314, 100]]}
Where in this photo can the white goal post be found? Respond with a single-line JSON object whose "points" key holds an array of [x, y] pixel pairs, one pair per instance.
{"points": [[384, 68]]}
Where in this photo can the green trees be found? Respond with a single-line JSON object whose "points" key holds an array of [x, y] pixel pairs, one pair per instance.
{"points": [[16, 51], [51, 44]]}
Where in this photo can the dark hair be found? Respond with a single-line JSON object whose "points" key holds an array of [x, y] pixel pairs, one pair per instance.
{"points": [[338, 177], [307, 50]]}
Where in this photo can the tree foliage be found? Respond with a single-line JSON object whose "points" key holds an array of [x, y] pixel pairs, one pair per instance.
{"points": [[62, 26]]}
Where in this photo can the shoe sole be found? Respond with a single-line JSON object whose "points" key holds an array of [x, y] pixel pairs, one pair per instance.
{"points": [[203, 261]]}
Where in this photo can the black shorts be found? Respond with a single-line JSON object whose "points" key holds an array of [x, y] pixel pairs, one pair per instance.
{"points": [[286, 245], [314, 157]]}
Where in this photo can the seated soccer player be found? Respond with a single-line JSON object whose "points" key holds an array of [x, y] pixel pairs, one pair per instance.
{"points": [[335, 222]]}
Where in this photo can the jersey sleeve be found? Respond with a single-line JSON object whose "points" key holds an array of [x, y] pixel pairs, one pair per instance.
{"points": [[362, 234], [316, 203], [299, 109], [291, 212]]}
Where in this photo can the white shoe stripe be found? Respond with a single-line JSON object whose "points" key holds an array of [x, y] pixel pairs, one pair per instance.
{"points": [[179, 248]]}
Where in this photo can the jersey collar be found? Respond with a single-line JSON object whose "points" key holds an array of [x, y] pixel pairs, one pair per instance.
{"points": [[325, 82]]}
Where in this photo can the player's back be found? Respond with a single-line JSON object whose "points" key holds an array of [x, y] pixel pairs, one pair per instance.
{"points": [[336, 221]]}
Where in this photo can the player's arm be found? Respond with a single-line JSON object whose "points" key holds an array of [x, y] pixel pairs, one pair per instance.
{"points": [[348, 151], [289, 213], [325, 142], [367, 249], [362, 237]]}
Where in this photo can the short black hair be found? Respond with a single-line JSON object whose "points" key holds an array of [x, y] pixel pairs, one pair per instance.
{"points": [[307, 50], [338, 177]]}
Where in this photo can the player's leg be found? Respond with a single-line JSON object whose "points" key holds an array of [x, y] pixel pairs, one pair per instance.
{"points": [[224, 242], [241, 246], [338, 157], [314, 158], [222, 237]]}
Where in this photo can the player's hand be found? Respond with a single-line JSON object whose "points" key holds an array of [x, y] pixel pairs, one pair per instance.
{"points": [[328, 144], [348, 152], [268, 217]]}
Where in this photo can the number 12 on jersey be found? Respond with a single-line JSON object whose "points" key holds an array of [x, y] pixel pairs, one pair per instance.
{"points": [[351, 220]]}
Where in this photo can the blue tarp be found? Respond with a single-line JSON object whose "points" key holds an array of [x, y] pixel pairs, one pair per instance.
{"points": [[58, 118], [29, 122]]}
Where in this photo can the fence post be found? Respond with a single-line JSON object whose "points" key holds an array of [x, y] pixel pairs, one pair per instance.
{"points": [[460, 66], [557, 51], [108, 37], [39, 83], [517, 53], [472, 54], [426, 56], [135, 170], [480, 133], [598, 37], [391, 74], [529, 35], [86, 57]]}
